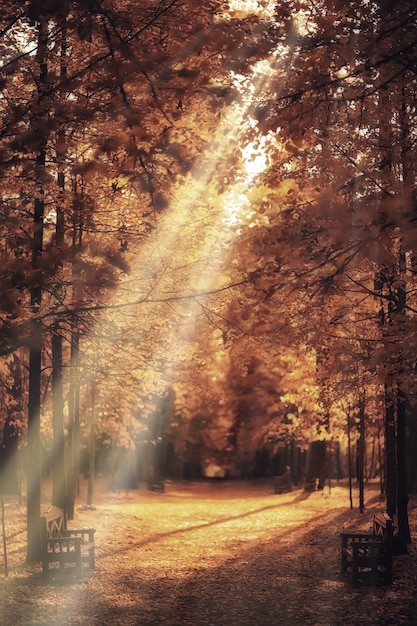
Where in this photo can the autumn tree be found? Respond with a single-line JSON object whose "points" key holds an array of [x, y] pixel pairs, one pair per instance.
{"points": [[95, 133], [343, 121], [145, 253]]}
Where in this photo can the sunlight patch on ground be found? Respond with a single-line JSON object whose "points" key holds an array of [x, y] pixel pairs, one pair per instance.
{"points": [[198, 540]]}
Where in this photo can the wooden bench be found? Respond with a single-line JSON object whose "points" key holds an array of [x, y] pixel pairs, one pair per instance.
{"points": [[282, 483], [369, 555], [156, 485], [62, 546]]}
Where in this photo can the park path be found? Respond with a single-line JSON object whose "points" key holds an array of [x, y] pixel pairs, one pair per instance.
{"points": [[211, 554]]}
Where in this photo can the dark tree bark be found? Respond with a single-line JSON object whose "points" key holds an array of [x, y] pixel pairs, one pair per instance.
{"points": [[349, 460], [91, 447], [380, 460], [390, 450], [59, 491], [58, 462], [34, 473], [73, 456], [402, 479], [404, 536], [361, 454]]}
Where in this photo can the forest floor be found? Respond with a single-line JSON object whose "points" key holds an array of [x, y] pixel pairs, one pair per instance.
{"points": [[209, 554]]}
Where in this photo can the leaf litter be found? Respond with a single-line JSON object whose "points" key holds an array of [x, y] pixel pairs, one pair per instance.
{"points": [[220, 553]]}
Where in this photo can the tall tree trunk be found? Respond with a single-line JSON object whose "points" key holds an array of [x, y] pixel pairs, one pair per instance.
{"points": [[402, 479], [349, 461], [59, 491], [380, 461], [92, 447], [401, 450], [34, 472], [361, 454], [59, 486], [406, 165], [390, 450], [371, 470], [74, 393], [73, 423]]}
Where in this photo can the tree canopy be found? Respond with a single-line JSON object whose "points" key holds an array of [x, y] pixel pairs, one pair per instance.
{"points": [[212, 204]]}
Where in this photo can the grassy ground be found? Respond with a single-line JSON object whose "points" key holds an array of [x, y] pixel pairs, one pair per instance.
{"points": [[209, 554]]}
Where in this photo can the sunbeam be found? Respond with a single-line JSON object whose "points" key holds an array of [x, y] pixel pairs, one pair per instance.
{"points": [[185, 256]]}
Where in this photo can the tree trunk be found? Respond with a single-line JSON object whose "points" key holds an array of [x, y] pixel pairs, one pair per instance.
{"points": [[92, 447], [74, 394], [402, 479], [380, 460], [73, 460], [59, 491], [361, 454], [390, 450], [404, 536], [34, 471], [349, 462], [59, 486]]}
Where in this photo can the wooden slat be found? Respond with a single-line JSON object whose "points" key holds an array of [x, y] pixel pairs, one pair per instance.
{"points": [[369, 555], [62, 546]]}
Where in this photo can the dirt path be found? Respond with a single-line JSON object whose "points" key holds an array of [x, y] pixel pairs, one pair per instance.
{"points": [[210, 554]]}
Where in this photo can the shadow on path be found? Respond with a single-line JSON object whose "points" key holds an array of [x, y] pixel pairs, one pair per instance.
{"points": [[290, 580]]}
